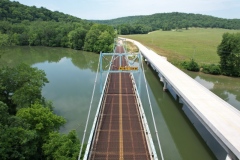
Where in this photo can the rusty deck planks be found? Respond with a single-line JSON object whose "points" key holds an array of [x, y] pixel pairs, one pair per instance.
{"points": [[120, 134]]}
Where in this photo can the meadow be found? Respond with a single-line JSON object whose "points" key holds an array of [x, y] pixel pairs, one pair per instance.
{"points": [[182, 45]]}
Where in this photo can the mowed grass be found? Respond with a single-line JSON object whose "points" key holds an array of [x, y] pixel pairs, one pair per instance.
{"points": [[178, 46]]}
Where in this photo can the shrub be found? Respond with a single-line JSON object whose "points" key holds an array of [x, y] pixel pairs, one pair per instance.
{"points": [[211, 69], [191, 65]]}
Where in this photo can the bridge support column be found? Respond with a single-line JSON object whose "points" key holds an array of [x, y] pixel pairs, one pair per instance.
{"points": [[164, 83], [165, 86], [231, 156], [228, 158], [146, 61]]}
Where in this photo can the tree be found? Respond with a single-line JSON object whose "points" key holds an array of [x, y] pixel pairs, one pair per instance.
{"points": [[26, 134], [3, 39], [123, 29], [229, 52], [140, 29], [5, 27], [99, 38], [3, 113], [36, 33], [191, 65], [77, 37], [3, 42], [104, 42], [61, 146], [21, 86], [166, 27], [16, 140], [42, 119], [17, 143]]}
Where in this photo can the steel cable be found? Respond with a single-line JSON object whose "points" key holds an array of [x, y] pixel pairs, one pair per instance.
{"points": [[89, 111]]}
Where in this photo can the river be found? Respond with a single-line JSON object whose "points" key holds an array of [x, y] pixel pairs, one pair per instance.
{"points": [[72, 73]]}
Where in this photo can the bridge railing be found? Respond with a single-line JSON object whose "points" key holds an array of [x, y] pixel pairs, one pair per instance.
{"points": [[96, 120], [93, 133], [147, 133]]}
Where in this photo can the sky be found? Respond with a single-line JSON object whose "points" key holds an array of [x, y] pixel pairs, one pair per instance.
{"points": [[110, 9]]}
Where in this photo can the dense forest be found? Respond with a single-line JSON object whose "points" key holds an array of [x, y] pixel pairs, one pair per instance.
{"points": [[28, 125], [23, 25], [168, 21]]}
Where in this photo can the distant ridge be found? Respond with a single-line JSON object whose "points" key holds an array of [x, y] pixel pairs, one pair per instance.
{"points": [[174, 20], [14, 12]]}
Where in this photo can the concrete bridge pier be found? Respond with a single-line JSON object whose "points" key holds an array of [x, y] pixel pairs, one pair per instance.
{"points": [[164, 83], [231, 156], [146, 61], [163, 80]]}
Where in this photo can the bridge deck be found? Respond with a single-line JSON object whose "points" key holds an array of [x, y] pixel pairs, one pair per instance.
{"points": [[221, 118], [120, 134]]}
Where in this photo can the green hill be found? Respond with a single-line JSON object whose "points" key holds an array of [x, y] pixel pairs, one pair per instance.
{"points": [[23, 25], [169, 21], [15, 12]]}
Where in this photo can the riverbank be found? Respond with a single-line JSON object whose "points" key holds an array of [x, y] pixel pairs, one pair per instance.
{"points": [[197, 43]]}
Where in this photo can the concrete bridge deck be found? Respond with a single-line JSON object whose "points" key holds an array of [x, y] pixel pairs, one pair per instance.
{"points": [[220, 118]]}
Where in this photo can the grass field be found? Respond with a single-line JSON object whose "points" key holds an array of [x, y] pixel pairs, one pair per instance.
{"points": [[178, 46]]}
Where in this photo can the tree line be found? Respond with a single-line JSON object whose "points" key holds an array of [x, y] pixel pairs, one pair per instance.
{"points": [[16, 12], [28, 125], [53, 29], [168, 21], [229, 53]]}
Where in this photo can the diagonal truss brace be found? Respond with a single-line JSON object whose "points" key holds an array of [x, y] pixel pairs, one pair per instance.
{"points": [[131, 68]]}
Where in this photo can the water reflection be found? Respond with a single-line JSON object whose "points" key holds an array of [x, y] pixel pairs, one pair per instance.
{"points": [[207, 84], [71, 77], [70, 89], [33, 55], [227, 88]]}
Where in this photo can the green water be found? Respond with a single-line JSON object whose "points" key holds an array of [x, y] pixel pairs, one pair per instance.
{"points": [[72, 73], [228, 88]]}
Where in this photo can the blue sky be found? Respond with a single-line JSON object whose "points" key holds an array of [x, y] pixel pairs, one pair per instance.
{"points": [[110, 9]]}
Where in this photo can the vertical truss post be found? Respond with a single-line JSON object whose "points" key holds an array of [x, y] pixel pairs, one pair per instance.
{"points": [[101, 70]]}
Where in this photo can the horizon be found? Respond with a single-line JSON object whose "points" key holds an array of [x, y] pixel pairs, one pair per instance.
{"points": [[108, 10]]}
